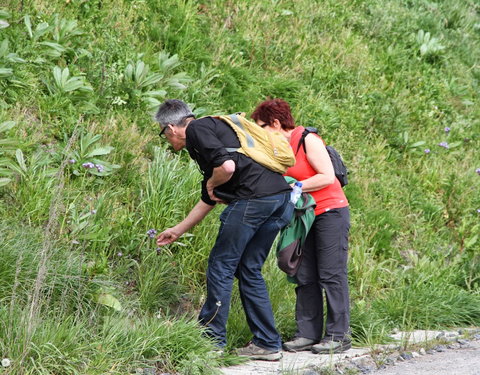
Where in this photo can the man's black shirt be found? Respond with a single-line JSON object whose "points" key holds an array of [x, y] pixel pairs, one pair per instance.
{"points": [[206, 140]]}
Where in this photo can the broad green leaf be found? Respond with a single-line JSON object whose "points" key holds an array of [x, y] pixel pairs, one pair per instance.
{"points": [[4, 48], [100, 151], [13, 57], [109, 301], [55, 46], [416, 144], [5, 13], [454, 144], [7, 125], [72, 84], [20, 159], [4, 24], [28, 24], [472, 241], [57, 76], [40, 30], [159, 93], [5, 72], [4, 181]]}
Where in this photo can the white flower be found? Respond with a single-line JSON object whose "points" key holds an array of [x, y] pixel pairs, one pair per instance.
{"points": [[6, 362]]}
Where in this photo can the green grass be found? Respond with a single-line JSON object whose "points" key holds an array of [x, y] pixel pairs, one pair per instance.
{"points": [[381, 80]]}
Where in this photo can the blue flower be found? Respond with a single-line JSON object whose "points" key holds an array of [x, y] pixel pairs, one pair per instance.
{"points": [[151, 233], [447, 129], [427, 151], [72, 161], [88, 165], [477, 171], [443, 144], [100, 168]]}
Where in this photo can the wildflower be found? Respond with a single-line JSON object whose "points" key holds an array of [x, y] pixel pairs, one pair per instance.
{"points": [[443, 144], [159, 250], [427, 151], [72, 161], [447, 129], [477, 171], [100, 168], [6, 362], [88, 165], [151, 233], [75, 242], [478, 210], [119, 254], [93, 212]]}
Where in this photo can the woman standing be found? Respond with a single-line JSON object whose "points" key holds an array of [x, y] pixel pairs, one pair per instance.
{"points": [[324, 264]]}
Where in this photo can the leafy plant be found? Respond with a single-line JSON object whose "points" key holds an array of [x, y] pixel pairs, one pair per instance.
{"points": [[140, 80], [88, 157], [4, 16], [6, 145], [429, 46], [63, 83]]}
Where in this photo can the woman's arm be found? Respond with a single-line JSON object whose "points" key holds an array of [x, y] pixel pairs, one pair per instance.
{"points": [[317, 156]]}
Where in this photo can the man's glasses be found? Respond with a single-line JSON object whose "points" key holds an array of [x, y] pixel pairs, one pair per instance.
{"points": [[161, 134]]}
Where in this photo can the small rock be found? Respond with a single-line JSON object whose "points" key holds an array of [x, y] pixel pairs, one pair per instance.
{"points": [[400, 359], [149, 371], [440, 335], [422, 351], [477, 336], [415, 355], [430, 351], [310, 372], [406, 356], [452, 334], [440, 348], [452, 346]]}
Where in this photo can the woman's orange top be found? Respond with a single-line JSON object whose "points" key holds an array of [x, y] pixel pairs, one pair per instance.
{"points": [[331, 196]]}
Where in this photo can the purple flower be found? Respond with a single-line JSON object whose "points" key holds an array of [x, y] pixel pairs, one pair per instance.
{"points": [[477, 171], [72, 161], [93, 212], [159, 250], [151, 233], [478, 210], [100, 168], [427, 151], [88, 165], [447, 129], [119, 254], [443, 144]]}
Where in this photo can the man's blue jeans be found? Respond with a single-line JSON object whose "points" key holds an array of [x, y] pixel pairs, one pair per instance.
{"points": [[247, 231]]}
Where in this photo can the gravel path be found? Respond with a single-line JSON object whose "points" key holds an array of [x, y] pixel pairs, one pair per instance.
{"points": [[460, 361]]}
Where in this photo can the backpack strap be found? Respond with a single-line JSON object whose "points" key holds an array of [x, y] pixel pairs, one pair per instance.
{"points": [[301, 142], [248, 137]]}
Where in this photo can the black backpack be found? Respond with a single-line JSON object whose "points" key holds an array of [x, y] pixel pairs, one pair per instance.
{"points": [[339, 167]]}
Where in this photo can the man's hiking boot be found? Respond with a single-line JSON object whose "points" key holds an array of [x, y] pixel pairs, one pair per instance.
{"points": [[298, 344], [331, 346], [255, 352]]}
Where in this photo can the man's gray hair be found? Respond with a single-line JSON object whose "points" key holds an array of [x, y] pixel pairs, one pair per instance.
{"points": [[173, 111]]}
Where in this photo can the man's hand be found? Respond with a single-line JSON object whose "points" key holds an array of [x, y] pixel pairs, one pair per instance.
{"points": [[211, 194], [167, 237]]}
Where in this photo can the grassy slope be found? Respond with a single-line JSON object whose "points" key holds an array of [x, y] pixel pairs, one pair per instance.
{"points": [[354, 69]]}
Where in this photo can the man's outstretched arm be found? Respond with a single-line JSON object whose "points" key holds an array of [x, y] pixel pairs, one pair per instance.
{"points": [[196, 215]]}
